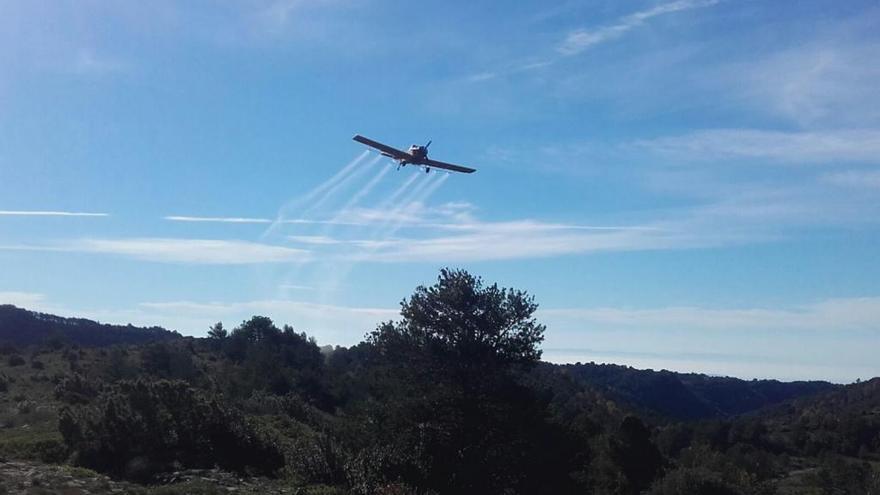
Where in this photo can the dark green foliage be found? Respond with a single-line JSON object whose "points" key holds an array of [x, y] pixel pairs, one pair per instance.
{"points": [[37, 364], [632, 450], [448, 412], [77, 389], [15, 360], [118, 365], [693, 481], [689, 396], [217, 331], [274, 360], [137, 428], [171, 360], [466, 324], [450, 399], [840, 476], [22, 327]]}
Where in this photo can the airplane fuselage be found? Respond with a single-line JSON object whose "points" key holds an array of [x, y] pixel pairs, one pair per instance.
{"points": [[417, 155]]}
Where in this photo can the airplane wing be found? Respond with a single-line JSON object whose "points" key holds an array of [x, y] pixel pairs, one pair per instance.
{"points": [[394, 152], [448, 166]]}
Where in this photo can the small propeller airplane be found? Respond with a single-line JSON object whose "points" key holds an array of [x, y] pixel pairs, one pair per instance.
{"points": [[417, 155]]}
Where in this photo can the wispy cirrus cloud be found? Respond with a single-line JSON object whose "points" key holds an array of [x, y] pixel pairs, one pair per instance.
{"points": [[583, 39], [195, 219], [861, 179], [22, 299], [748, 342], [191, 251], [798, 147], [171, 250], [831, 315], [49, 213], [825, 81]]}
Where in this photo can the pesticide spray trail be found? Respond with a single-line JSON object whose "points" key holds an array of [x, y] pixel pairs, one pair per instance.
{"points": [[382, 233], [337, 188], [421, 200], [397, 216], [328, 229], [340, 176], [345, 210], [343, 186]]}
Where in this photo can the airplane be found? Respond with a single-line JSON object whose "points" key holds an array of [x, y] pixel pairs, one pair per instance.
{"points": [[417, 155]]}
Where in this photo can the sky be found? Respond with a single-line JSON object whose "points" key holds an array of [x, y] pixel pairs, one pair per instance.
{"points": [[690, 185]]}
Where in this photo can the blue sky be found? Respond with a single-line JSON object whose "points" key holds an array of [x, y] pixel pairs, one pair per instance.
{"points": [[684, 184]]}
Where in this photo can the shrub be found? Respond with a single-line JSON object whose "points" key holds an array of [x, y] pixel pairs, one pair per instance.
{"points": [[15, 360], [692, 481], [138, 428], [77, 389], [37, 365], [4, 383]]}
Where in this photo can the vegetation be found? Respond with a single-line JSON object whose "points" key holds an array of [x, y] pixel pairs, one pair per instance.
{"points": [[21, 327], [451, 398]]}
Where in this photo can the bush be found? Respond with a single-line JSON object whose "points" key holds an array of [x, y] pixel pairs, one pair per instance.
{"points": [[15, 360], [4, 383], [77, 389], [139, 428], [43, 447], [692, 481], [37, 365]]}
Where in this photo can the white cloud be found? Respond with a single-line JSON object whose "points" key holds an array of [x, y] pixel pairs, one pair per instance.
{"points": [[22, 299], [182, 218], [49, 213], [88, 63], [192, 251], [827, 82], [314, 239], [295, 287], [833, 339], [868, 179], [583, 39], [493, 242], [847, 314], [786, 147]]}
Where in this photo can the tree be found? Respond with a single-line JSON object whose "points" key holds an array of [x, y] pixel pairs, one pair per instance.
{"points": [[451, 414], [216, 331], [466, 323]]}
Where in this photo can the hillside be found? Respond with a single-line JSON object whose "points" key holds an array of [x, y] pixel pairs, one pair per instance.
{"points": [[443, 401], [689, 396], [21, 327]]}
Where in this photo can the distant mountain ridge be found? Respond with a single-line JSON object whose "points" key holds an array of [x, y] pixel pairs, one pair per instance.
{"points": [[22, 327], [666, 394], [690, 396]]}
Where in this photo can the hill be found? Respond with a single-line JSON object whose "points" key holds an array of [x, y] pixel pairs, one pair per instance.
{"points": [[21, 327], [689, 396]]}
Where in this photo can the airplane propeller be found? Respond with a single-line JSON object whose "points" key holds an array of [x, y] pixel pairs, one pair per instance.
{"points": [[429, 144]]}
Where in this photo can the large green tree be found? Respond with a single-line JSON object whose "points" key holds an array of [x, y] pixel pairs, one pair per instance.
{"points": [[451, 413]]}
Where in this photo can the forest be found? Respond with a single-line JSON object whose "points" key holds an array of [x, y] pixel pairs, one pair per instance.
{"points": [[450, 398]]}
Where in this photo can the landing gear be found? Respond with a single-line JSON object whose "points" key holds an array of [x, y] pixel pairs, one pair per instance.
{"points": [[427, 169]]}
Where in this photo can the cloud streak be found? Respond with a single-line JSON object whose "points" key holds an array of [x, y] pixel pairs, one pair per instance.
{"points": [[581, 40], [183, 251], [831, 315], [49, 213], [184, 218], [806, 147], [191, 251]]}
